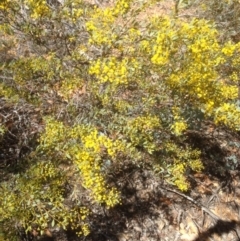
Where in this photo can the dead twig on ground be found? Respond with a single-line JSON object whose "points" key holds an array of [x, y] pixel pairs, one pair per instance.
{"points": [[204, 209]]}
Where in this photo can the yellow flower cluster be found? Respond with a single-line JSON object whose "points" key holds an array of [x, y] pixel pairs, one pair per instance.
{"points": [[141, 130], [103, 25], [233, 61], [54, 135], [72, 13], [8, 92], [161, 48], [69, 87], [38, 8], [122, 7], [73, 9], [90, 168], [182, 159], [112, 70], [229, 92], [97, 144], [228, 115], [86, 147], [76, 217], [197, 72], [89, 163], [85, 230], [199, 75], [180, 181], [146, 123], [122, 106], [99, 26], [201, 37], [234, 76], [145, 46], [131, 37], [39, 200], [4, 5], [197, 58], [179, 125], [228, 49], [209, 107]]}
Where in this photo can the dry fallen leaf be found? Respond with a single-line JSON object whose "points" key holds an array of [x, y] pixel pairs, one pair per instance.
{"points": [[192, 227], [188, 237], [161, 224]]}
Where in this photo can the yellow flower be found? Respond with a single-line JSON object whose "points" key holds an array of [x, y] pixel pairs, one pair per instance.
{"points": [[179, 127], [85, 230], [228, 49]]}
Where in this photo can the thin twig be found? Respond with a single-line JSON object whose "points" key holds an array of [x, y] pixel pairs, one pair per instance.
{"points": [[205, 209]]}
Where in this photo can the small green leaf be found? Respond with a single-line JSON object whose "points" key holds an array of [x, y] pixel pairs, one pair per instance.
{"points": [[53, 223]]}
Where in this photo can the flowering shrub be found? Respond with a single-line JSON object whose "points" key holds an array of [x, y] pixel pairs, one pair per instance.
{"points": [[112, 85], [86, 147], [36, 201]]}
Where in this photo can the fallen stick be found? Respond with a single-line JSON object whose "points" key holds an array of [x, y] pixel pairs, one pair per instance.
{"points": [[204, 209]]}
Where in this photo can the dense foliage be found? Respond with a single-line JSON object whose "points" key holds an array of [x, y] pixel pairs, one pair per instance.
{"points": [[110, 85]]}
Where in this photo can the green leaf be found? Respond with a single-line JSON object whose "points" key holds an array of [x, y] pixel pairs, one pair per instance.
{"points": [[53, 223]]}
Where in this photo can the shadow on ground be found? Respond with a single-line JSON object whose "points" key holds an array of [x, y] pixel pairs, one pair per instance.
{"points": [[221, 227]]}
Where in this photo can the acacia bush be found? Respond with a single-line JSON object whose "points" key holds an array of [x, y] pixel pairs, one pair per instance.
{"points": [[111, 86]]}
